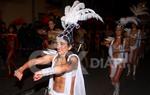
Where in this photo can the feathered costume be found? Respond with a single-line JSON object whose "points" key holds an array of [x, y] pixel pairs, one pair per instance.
{"points": [[124, 20], [139, 9], [73, 14], [76, 13]]}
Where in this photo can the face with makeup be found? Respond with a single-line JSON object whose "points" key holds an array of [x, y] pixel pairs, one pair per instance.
{"points": [[62, 46], [133, 25], [119, 30], [51, 24]]}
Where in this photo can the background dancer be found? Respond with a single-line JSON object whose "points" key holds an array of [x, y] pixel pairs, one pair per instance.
{"points": [[117, 57], [135, 42]]}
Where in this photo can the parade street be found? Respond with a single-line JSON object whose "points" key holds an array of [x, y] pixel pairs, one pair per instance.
{"points": [[97, 82]]}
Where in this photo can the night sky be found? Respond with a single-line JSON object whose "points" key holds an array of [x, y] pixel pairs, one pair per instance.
{"points": [[116, 8], [112, 7]]}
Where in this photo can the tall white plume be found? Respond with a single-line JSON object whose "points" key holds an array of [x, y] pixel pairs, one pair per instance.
{"points": [[77, 12], [139, 9]]}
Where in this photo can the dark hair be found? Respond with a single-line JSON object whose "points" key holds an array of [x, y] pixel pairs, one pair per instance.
{"points": [[122, 33], [13, 27], [66, 38]]}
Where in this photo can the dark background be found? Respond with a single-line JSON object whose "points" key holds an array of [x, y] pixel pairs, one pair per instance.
{"points": [[117, 8]]}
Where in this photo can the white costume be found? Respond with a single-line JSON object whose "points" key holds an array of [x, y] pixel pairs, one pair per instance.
{"points": [[138, 40], [122, 58], [79, 87], [136, 45], [73, 14]]}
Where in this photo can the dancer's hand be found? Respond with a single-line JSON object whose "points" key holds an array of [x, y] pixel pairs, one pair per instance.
{"points": [[18, 74], [37, 75]]}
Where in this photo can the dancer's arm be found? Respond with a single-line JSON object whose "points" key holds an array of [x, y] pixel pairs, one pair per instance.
{"points": [[37, 61], [58, 69]]}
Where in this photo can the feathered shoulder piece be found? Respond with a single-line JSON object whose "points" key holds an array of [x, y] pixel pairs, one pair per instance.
{"points": [[77, 12], [139, 9]]}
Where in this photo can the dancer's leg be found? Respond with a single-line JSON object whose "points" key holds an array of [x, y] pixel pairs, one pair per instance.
{"points": [[116, 78]]}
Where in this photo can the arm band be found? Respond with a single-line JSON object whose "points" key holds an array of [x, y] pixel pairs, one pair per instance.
{"points": [[48, 71]]}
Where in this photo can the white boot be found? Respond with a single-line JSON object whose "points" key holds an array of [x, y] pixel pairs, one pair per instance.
{"points": [[134, 71], [116, 91], [129, 69]]}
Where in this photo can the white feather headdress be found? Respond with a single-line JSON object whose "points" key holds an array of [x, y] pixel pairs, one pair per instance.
{"points": [[77, 12], [124, 20], [139, 9]]}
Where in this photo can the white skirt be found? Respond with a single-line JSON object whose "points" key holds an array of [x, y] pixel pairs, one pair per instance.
{"points": [[116, 61], [52, 92]]}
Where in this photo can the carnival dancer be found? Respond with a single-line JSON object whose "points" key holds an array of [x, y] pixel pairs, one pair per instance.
{"points": [[135, 42], [52, 33], [118, 55], [12, 45], [67, 77], [135, 35]]}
